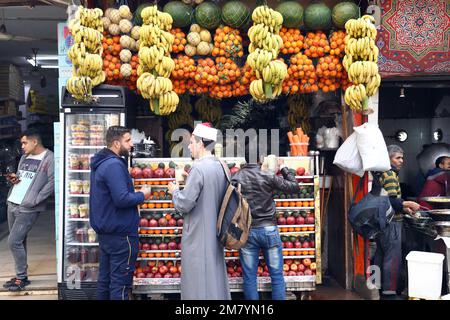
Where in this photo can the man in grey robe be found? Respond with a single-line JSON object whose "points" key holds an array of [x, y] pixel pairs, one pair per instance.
{"points": [[203, 269]]}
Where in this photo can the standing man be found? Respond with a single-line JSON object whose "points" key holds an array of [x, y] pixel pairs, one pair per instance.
{"points": [[114, 215], [388, 255], [257, 187], [203, 273], [33, 184], [437, 181]]}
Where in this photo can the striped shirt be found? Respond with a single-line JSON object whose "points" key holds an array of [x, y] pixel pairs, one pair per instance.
{"points": [[390, 182]]}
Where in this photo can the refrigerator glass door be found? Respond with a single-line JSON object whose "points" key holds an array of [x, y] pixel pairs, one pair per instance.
{"points": [[83, 137]]}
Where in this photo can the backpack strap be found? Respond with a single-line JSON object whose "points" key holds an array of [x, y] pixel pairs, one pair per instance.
{"points": [[358, 188], [226, 170]]}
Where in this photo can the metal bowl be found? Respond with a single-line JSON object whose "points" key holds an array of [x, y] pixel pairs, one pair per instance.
{"points": [[442, 228], [438, 202], [440, 214]]}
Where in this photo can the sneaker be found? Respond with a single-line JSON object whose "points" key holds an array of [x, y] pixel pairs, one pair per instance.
{"points": [[7, 284], [18, 285]]}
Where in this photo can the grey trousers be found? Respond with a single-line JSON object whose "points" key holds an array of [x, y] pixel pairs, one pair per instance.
{"points": [[20, 224]]}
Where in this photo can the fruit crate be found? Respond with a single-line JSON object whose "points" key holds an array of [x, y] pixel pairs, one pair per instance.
{"points": [[300, 231]]}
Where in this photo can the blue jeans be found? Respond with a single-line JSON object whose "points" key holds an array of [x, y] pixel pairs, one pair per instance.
{"points": [[268, 240]]}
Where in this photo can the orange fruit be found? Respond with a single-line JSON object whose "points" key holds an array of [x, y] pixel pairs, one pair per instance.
{"points": [[157, 231], [311, 252], [311, 203], [165, 254], [151, 255], [298, 204], [285, 204], [285, 253], [297, 229], [144, 255], [292, 253], [158, 254], [164, 231], [165, 205], [158, 205], [304, 228], [291, 229], [310, 228], [151, 206]]}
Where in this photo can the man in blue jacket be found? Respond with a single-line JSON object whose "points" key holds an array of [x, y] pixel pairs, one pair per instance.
{"points": [[114, 215]]}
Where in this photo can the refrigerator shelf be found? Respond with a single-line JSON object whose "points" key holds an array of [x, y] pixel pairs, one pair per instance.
{"points": [[86, 147], [78, 219], [78, 195], [88, 244], [78, 171]]}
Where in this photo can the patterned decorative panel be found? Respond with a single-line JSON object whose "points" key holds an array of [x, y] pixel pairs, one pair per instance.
{"points": [[414, 37]]}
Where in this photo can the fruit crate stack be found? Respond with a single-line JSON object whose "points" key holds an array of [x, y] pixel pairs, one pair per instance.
{"points": [[158, 268], [11, 83]]}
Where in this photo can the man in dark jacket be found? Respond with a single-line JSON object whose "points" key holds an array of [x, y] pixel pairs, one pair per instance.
{"points": [[114, 215], [257, 187]]}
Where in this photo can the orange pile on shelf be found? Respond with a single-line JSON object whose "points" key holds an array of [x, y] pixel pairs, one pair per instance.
{"points": [[298, 142], [183, 75], [180, 40], [330, 71], [316, 44], [293, 40], [227, 43], [301, 76], [337, 43]]}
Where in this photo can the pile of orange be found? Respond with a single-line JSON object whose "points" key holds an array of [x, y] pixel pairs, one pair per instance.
{"points": [[302, 77], [221, 91], [303, 252], [242, 85], [316, 44], [298, 204], [184, 68], [180, 40], [228, 70], [330, 72], [206, 74], [293, 40], [337, 43], [111, 44], [227, 43]]}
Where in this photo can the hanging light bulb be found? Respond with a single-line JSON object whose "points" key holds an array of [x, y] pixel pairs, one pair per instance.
{"points": [[402, 92]]}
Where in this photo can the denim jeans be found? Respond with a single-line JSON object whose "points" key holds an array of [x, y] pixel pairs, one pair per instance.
{"points": [[268, 240], [20, 224]]}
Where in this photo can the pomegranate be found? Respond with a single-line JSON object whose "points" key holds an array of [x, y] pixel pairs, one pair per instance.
{"points": [[158, 173], [147, 173], [136, 173], [170, 173]]}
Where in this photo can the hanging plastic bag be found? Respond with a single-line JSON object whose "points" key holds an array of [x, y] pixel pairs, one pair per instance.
{"points": [[348, 158], [372, 148]]}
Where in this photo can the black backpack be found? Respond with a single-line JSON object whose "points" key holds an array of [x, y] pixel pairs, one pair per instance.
{"points": [[371, 214]]}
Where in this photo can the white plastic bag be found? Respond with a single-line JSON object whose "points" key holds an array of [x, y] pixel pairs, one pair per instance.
{"points": [[348, 158], [372, 148]]}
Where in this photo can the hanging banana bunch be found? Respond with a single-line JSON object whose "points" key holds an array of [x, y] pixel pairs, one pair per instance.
{"points": [[298, 113], [263, 50], [360, 62], [209, 110], [156, 65], [86, 53]]}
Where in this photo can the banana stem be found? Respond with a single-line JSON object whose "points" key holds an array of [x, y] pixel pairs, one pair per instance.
{"points": [[268, 90], [365, 103], [156, 104]]}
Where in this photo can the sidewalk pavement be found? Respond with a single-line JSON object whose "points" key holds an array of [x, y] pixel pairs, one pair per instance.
{"points": [[41, 248]]}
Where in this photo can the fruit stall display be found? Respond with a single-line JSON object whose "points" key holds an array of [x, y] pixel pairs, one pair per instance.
{"points": [[272, 51], [158, 268]]}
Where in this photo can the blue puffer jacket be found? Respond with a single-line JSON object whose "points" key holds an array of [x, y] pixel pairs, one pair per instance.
{"points": [[113, 202]]}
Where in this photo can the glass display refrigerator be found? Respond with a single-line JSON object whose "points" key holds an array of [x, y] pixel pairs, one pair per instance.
{"points": [[83, 130]]}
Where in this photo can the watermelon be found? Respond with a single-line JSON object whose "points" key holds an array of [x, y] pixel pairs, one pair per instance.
{"points": [[318, 17], [208, 15], [344, 11], [235, 14], [292, 13], [181, 13], [137, 13]]}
